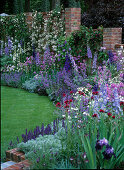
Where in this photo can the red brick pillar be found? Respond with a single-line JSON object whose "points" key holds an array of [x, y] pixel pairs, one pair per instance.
{"points": [[111, 36], [72, 19]]}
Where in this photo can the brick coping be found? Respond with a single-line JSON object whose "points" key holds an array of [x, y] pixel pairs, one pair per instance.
{"points": [[119, 45], [19, 158]]}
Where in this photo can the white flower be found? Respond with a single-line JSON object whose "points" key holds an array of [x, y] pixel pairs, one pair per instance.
{"points": [[69, 117], [74, 108], [85, 113]]}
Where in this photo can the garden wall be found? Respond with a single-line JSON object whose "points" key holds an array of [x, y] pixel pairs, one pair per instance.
{"points": [[72, 17], [111, 36]]}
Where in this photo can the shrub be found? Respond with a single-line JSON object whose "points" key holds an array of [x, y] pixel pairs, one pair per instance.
{"points": [[34, 85], [79, 39], [14, 26]]}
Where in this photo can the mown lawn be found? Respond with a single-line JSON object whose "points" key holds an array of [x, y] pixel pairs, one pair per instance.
{"points": [[20, 110]]}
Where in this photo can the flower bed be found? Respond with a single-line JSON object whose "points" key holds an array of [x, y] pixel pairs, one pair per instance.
{"points": [[87, 90]]}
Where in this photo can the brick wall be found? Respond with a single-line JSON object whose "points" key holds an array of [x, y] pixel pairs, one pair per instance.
{"points": [[72, 19], [112, 36]]}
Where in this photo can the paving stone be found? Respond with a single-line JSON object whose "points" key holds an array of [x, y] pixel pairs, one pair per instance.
{"points": [[7, 164]]}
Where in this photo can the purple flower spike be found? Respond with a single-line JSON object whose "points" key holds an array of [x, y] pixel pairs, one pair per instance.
{"points": [[89, 53]]}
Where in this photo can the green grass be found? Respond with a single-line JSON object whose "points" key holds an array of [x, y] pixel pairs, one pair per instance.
{"points": [[20, 110]]}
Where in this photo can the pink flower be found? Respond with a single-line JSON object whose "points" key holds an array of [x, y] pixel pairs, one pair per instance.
{"points": [[101, 110], [71, 92], [95, 92], [113, 117], [64, 94], [58, 104], [121, 103], [66, 101], [92, 97], [94, 115], [66, 106], [109, 114], [81, 93], [70, 100], [121, 75]]}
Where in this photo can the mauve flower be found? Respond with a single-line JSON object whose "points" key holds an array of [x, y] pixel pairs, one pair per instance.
{"points": [[84, 155], [86, 161], [121, 75], [71, 159]]}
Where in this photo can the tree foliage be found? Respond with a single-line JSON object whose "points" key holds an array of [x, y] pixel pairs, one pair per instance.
{"points": [[104, 12]]}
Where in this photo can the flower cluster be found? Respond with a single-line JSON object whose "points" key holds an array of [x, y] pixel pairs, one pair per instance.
{"points": [[109, 150]]}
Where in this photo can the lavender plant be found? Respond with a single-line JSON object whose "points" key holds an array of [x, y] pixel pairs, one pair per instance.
{"points": [[12, 79]]}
